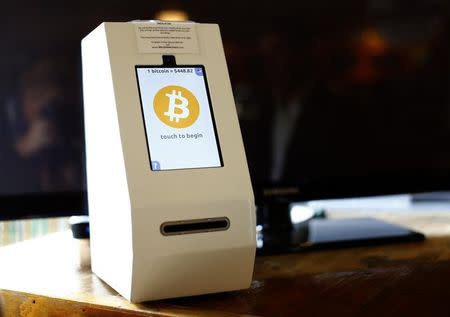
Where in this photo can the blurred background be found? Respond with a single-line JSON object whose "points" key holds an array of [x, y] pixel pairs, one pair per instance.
{"points": [[335, 96], [335, 99]]}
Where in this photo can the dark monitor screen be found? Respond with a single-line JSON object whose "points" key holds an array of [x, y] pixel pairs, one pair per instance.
{"points": [[41, 139], [335, 98]]}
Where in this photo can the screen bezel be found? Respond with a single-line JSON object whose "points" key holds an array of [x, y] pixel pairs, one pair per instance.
{"points": [[216, 134], [385, 183], [43, 205]]}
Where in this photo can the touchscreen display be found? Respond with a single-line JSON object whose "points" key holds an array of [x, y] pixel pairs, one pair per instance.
{"points": [[178, 117]]}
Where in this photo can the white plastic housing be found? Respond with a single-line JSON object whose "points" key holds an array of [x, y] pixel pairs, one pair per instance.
{"points": [[128, 201]]}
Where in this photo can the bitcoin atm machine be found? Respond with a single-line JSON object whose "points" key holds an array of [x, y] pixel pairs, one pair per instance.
{"points": [[170, 199]]}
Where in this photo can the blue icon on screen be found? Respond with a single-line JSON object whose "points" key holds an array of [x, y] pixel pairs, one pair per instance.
{"points": [[199, 71], [156, 166]]}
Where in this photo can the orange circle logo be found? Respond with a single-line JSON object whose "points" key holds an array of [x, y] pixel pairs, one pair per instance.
{"points": [[176, 106]]}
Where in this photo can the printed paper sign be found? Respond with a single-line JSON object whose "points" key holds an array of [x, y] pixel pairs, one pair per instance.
{"points": [[166, 37]]}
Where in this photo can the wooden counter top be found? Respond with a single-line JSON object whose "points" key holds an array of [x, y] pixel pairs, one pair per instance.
{"points": [[41, 278]]}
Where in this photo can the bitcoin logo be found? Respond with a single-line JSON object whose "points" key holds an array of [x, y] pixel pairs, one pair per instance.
{"points": [[173, 97], [176, 106]]}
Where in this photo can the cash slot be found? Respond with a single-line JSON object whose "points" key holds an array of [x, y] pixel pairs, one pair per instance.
{"points": [[195, 226]]}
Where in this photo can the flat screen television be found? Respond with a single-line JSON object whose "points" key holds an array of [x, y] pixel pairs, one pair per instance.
{"points": [[335, 98]]}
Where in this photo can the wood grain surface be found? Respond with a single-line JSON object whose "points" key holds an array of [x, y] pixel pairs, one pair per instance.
{"points": [[43, 277]]}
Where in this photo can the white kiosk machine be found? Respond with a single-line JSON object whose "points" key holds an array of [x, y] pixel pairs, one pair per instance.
{"points": [[170, 199]]}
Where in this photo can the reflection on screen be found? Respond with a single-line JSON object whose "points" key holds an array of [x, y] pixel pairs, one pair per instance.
{"points": [[41, 131]]}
